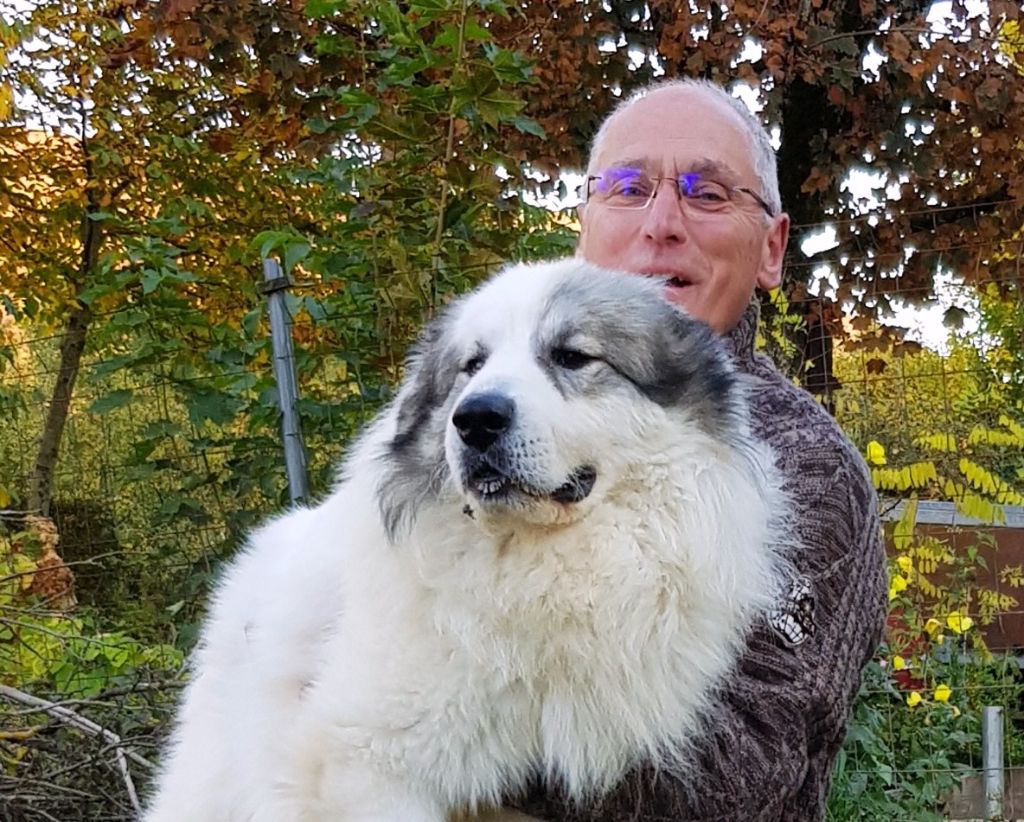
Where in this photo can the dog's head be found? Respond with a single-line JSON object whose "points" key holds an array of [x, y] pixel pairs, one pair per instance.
{"points": [[535, 394]]}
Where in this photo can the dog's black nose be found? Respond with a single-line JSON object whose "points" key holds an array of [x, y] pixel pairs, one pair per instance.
{"points": [[481, 418]]}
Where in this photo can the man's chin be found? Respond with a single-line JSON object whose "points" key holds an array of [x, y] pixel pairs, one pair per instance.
{"points": [[682, 296]]}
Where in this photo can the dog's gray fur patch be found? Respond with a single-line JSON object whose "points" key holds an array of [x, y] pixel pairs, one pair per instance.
{"points": [[671, 358], [417, 448]]}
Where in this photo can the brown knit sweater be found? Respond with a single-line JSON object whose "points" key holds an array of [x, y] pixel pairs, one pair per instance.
{"points": [[780, 718]]}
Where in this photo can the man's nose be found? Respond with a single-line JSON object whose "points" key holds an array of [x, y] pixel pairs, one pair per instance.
{"points": [[663, 219]]}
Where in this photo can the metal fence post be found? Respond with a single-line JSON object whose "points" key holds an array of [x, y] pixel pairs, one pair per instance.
{"points": [[275, 285], [992, 761]]}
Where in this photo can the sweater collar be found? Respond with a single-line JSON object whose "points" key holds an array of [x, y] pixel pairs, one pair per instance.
{"points": [[740, 341]]}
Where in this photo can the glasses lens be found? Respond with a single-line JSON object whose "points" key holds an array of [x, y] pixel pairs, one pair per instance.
{"points": [[623, 187], [702, 193]]}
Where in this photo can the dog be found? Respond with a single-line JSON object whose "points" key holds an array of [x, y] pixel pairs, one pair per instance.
{"points": [[539, 561]]}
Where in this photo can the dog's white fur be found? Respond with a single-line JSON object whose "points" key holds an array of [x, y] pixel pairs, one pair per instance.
{"points": [[343, 675]]}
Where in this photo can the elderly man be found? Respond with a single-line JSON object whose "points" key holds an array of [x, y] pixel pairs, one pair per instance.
{"points": [[682, 182]]}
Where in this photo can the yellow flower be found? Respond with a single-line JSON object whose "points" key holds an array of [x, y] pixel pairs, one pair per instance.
{"points": [[896, 584], [913, 699], [898, 663], [942, 693], [876, 453], [958, 623], [906, 564], [933, 626]]}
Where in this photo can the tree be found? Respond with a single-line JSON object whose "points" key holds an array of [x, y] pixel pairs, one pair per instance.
{"points": [[937, 110], [133, 176]]}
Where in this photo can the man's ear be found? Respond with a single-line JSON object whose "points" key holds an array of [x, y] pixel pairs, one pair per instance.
{"points": [[773, 253]]}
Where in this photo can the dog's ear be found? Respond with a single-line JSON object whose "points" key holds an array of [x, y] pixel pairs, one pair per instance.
{"points": [[691, 368], [414, 464], [423, 386]]}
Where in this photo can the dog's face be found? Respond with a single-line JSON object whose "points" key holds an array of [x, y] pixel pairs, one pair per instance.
{"points": [[534, 395]]}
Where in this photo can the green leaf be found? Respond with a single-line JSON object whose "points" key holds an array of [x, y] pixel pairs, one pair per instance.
{"points": [[107, 403], [498, 7], [474, 32], [527, 125], [294, 253], [215, 406], [150, 279], [325, 8]]}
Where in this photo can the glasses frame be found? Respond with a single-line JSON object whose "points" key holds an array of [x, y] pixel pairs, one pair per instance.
{"points": [[654, 193]]}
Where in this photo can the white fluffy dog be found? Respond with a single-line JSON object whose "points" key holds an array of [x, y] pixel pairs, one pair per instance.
{"points": [[540, 559]]}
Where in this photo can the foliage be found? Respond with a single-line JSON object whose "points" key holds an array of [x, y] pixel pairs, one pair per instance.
{"points": [[915, 729], [940, 426], [71, 658]]}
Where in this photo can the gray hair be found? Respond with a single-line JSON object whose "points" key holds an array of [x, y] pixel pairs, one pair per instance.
{"points": [[762, 152]]}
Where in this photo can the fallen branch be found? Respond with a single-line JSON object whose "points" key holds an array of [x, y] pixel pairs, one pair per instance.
{"points": [[75, 720]]}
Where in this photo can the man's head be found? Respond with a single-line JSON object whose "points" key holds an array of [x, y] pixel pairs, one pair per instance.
{"points": [[708, 224]]}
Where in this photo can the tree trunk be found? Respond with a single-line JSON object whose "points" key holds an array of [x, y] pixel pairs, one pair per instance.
{"points": [[76, 328]]}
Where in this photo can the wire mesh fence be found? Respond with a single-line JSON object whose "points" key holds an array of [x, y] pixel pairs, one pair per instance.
{"points": [[167, 461]]}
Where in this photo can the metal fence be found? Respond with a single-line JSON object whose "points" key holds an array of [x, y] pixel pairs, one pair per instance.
{"points": [[150, 499]]}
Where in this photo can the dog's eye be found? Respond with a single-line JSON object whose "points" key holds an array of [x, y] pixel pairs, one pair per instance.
{"points": [[570, 358], [473, 365]]}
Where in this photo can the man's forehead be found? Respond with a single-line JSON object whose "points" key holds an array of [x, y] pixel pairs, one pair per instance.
{"points": [[677, 130], [707, 166]]}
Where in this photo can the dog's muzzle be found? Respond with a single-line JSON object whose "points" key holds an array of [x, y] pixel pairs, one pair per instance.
{"points": [[481, 421]]}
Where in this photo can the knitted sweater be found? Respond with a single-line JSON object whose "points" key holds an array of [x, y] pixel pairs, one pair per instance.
{"points": [[780, 717]]}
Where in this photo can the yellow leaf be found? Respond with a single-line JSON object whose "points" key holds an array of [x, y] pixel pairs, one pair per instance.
{"points": [[905, 563], [958, 623], [876, 453], [6, 101], [903, 530]]}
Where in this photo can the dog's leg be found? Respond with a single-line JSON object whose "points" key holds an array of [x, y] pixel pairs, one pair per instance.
{"points": [[353, 791]]}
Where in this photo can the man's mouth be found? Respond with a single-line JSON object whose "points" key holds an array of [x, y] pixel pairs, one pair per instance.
{"points": [[489, 484], [671, 280]]}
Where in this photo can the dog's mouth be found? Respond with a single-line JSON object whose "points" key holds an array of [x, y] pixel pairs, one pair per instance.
{"points": [[489, 484]]}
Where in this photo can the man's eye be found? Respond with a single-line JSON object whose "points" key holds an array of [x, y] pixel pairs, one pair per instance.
{"points": [[570, 358], [711, 195], [706, 193], [631, 188]]}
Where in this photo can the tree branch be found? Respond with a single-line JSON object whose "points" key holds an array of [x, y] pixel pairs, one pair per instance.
{"points": [[75, 720]]}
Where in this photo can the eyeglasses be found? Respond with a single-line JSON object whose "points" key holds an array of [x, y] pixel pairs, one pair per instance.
{"points": [[630, 188]]}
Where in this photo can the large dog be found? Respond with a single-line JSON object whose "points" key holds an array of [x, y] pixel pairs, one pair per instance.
{"points": [[540, 559]]}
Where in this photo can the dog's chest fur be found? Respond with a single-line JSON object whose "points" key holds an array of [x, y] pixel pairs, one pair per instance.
{"points": [[581, 649]]}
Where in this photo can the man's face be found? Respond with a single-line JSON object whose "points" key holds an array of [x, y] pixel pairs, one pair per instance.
{"points": [[716, 259]]}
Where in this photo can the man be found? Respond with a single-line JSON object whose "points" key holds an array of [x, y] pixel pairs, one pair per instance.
{"points": [[682, 183]]}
